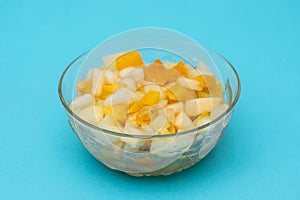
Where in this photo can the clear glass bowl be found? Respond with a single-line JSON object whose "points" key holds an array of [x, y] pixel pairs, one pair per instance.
{"points": [[169, 153]]}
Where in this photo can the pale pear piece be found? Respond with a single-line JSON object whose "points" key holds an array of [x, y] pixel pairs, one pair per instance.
{"points": [[183, 122], [159, 123], [202, 68], [132, 129], [136, 96], [110, 124], [195, 107], [109, 60], [131, 85], [176, 107], [137, 74], [98, 80], [121, 96], [200, 122], [218, 110], [126, 72], [82, 102], [92, 114], [110, 77], [189, 83]]}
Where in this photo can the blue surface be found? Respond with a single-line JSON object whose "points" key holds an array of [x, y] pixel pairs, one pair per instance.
{"points": [[258, 158]]}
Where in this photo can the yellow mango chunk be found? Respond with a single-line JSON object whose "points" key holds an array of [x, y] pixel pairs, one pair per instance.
{"points": [[150, 98], [130, 59], [143, 117], [180, 68], [113, 88], [172, 128], [136, 106], [157, 61]]}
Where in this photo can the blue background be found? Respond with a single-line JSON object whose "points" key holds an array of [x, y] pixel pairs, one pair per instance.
{"points": [[258, 158]]}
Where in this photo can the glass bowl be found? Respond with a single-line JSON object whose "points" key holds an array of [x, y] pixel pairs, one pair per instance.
{"points": [[169, 153]]}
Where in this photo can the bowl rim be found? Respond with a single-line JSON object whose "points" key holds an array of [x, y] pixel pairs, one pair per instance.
{"points": [[228, 110]]}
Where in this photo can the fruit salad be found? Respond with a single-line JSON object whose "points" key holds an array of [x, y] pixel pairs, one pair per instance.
{"points": [[128, 96]]}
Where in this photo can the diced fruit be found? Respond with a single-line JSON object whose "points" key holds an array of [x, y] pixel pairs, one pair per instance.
{"points": [[155, 87], [180, 68], [150, 98], [121, 96], [195, 107], [218, 110], [84, 86], [200, 122], [176, 107], [157, 73], [82, 102], [92, 114], [110, 124], [183, 122], [118, 112], [129, 59], [130, 83], [110, 77], [136, 106], [189, 83], [98, 80], [206, 81], [182, 93], [157, 61], [159, 123]]}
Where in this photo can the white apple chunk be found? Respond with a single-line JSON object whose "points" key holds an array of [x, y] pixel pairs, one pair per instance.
{"points": [[195, 107]]}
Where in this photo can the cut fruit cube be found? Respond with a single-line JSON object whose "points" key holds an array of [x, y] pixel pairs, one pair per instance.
{"points": [[150, 98], [84, 86], [92, 114], [110, 124], [183, 122], [82, 102], [200, 122], [207, 81], [189, 83], [110, 77], [195, 107], [98, 80], [117, 112], [159, 123], [176, 107], [181, 93], [180, 68], [129, 59], [129, 82], [121, 96]]}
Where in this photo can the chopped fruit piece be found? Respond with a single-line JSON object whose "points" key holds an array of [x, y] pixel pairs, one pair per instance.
{"points": [[98, 80], [182, 93], [143, 116], [150, 98], [158, 61], [207, 81], [137, 74], [129, 82], [110, 124], [200, 122], [118, 112], [195, 107], [155, 87], [137, 95], [110, 77], [218, 110], [203, 93], [180, 68], [82, 102], [121, 96], [204, 114], [170, 114], [113, 88], [189, 83], [157, 73], [171, 96], [92, 114], [159, 123], [84, 86], [183, 122], [129, 59], [136, 106], [110, 61], [172, 128], [176, 107]]}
